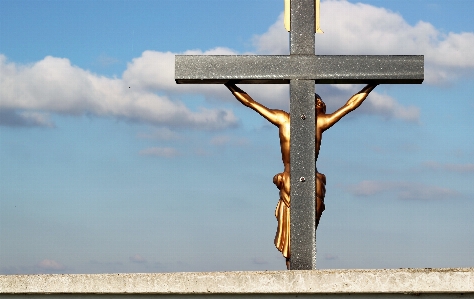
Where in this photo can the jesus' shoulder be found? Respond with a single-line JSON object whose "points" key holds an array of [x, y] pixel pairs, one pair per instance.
{"points": [[275, 116]]}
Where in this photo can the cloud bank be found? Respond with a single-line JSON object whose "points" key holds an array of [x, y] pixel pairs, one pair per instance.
{"points": [[138, 259], [165, 152], [50, 265], [147, 92], [449, 167], [379, 31], [402, 190], [53, 85]]}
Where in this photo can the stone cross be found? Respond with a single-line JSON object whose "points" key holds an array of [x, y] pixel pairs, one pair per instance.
{"points": [[302, 69]]}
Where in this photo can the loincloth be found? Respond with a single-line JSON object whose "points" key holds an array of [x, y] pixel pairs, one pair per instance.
{"points": [[282, 213], [282, 237], [320, 194]]}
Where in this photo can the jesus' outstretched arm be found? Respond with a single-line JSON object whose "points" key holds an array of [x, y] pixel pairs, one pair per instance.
{"points": [[354, 102], [276, 117]]}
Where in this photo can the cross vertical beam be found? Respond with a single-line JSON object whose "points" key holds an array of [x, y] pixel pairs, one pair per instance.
{"points": [[302, 143], [303, 185], [302, 27]]}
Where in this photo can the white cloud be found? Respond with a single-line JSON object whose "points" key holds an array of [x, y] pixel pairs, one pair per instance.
{"points": [[167, 152], [379, 31], [37, 118], [137, 259], [147, 91], [330, 257], [389, 108], [274, 41], [459, 168], [221, 140], [155, 71], [160, 134], [10, 117], [403, 190], [54, 85], [259, 261], [50, 265]]}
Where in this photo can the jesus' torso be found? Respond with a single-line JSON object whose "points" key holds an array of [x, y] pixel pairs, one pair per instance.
{"points": [[284, 133]]}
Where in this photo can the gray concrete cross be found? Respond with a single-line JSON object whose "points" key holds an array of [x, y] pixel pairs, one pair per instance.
{"points": [[301, 69]]}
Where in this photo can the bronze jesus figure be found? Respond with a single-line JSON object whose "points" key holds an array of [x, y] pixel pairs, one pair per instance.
{"points": [[281, 119]]}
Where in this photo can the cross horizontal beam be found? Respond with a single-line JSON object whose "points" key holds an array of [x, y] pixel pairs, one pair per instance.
{"points": [[275, 69]]}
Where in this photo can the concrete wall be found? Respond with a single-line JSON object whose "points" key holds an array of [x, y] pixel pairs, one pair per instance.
{"points": [[396, 283]]}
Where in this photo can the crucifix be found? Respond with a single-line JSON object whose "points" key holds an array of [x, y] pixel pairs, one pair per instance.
{"points": [[302, 69]]}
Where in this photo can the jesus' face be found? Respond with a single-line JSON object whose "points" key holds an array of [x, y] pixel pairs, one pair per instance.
{"points": [[320, 106]]}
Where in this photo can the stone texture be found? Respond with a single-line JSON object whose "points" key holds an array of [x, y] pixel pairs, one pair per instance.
{"points": [[302, 27], [302, 163], [399, 281], [275, 69]]}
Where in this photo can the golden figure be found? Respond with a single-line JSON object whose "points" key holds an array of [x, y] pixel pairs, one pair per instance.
{"points": [[281, 119]]}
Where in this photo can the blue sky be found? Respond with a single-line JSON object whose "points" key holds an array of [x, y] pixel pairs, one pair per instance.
{"points": [[106, 165]]}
